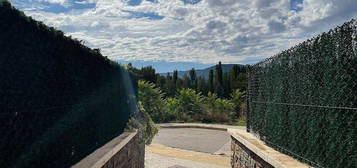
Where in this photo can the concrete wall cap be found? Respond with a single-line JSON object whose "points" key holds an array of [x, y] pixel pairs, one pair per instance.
{"points": [[101, 156], [268, 154]]}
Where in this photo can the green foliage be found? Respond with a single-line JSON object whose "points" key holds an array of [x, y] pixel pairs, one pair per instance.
{"points": [[143, 123], [303, 101], [172, 109], [189, 104], [146, 73], [152, 101], [217, 109], [210, 81], [237, 98], [218, 82], [223, 84]]}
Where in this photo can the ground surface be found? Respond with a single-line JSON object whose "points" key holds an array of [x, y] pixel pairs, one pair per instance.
{"points": [[189, 148], [194, 139]]}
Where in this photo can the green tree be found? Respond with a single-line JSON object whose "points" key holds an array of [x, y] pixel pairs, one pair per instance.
{"points": [[148, 74], [193, 79], [186, 82], [202, 85], [235, 71], [211, 81], [152, 101], [175, 78], [237, 98], [190, 104], [219, 90], [173, 108], [217, 109]]}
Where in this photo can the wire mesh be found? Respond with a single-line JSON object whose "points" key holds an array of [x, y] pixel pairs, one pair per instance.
{"points": [[50, 135], [303, 101]]}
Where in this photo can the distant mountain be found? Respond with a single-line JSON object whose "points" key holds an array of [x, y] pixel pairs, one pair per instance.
{"points": [[203, 72]]}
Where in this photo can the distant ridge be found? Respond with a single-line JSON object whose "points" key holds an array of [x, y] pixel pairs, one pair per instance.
{"points": [[204, 72]]}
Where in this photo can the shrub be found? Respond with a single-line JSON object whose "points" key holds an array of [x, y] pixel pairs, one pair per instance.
{"points": [[237, 98], [144, 124], [172, 109], [217, 109], [190, 104], [152, 101]]}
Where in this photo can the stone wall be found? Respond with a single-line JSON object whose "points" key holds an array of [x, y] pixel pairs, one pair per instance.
{"points": [[248, 151], [242, 157], [124, 151], [132, 155]]}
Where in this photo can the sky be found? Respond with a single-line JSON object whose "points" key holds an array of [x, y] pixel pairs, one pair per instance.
{"points": [[180, 34]]}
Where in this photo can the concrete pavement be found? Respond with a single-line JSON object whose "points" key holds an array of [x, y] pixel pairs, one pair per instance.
{"points": [[190, 145], [194, 139], [158, 156]]}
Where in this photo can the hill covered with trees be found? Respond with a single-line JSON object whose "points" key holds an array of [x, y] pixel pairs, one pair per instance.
{"points": [[59, 100]]}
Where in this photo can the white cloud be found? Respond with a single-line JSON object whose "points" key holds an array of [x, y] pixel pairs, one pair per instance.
{"points": [[233, 31], [62, 2]]}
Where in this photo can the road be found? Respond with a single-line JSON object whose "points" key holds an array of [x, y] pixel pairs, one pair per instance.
{"points": [[189, 148], [194, 139]]}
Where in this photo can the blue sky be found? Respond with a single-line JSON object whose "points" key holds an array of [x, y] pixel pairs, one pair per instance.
{"points": [[180, 34]]}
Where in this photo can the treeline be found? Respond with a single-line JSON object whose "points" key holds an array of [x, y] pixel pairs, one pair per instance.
{"points": [[218, 82], [59, 100]]}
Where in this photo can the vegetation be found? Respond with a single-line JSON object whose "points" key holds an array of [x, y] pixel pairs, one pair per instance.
{"points": [[189, 105], [221, 83], [143, 124]]}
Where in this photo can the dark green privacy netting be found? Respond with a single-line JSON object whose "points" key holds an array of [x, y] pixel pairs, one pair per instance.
{"points": [[303, 101], [59, 100]]}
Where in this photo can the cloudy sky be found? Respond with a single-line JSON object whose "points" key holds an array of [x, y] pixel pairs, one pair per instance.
{"points": [[179, 34]]}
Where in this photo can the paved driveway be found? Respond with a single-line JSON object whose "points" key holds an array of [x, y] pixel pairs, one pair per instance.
{"points": [[194, 139], [189, 148]]}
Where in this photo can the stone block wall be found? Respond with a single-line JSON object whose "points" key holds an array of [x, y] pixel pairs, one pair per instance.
{"points": [[124, 151], [242, 157], [132, 155]]}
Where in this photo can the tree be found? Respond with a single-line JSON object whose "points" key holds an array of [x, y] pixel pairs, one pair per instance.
{"points": [[201, 85], [152, 101], [175, 77], [227, 80], [219, 80], [237, 98], [169, 87], [190, 104], [210, 81], [217, 109], [186, 82], [235, 71], [148, 74], [193, 80]]}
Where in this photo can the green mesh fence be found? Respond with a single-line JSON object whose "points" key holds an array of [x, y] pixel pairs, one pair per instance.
{"points": [[59, 100], [303, 101]]}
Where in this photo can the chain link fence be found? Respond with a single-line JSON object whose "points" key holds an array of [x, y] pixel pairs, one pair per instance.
{"points": [[303, 101]]}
